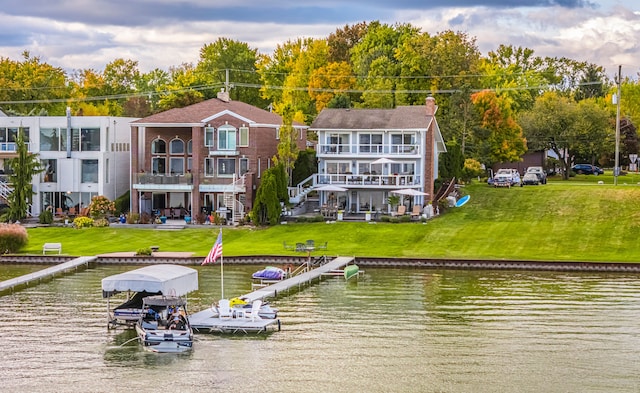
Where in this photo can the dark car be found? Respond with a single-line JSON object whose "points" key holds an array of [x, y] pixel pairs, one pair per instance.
{"points": [[539, 172], [587, 169], [530, 178]]}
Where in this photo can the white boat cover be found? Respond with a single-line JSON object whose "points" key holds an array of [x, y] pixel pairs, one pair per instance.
{"points": [[174, 280]]}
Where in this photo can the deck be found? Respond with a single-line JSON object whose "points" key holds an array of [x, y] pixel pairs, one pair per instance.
{"points": [[206, 321], [44, 274]]}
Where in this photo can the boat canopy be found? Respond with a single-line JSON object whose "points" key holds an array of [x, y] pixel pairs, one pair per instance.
{"points": [[168, 280]]}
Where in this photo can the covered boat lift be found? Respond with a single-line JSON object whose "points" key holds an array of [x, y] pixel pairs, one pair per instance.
{"points": [[164, 279]]}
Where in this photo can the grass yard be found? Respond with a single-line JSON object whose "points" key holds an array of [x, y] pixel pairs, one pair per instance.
{"points": [[578, 220]]}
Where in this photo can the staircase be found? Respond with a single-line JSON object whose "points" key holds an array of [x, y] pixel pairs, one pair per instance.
{"points": [[236, 205], [5, 190]]}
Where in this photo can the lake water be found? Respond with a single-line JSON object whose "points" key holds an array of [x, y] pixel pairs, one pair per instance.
{"points": [[392, 330]]}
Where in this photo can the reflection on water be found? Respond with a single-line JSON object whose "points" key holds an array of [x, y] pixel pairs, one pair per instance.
{"points": [[400, 330]]}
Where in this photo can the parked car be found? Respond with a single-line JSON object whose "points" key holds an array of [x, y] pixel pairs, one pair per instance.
{"points": [[587, 169], [539, 172], [530, 178], [511, 174]]}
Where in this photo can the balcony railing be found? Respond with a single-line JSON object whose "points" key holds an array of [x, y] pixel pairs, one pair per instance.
{"points": [[12, 147], [367, 149], [186, 179], [369, 180]]}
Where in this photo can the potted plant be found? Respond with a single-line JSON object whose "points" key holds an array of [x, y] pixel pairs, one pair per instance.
{"points": [[340, 215]]}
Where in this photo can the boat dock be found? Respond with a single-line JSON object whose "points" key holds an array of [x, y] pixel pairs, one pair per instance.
{"points": [[208, 321], [45, 274]]}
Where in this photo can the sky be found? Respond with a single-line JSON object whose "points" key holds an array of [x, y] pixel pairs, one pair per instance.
{"points": [[81, 34]]}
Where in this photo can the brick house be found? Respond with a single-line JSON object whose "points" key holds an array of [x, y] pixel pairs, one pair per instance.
{"points": [[204, 157]]}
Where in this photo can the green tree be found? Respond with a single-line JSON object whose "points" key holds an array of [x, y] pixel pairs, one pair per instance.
{"points": [[287, 147], [452, 163], [266, 207], [32, 87], [502, 139], [183, 90], [23, 168], [305, 166], [569, 129], [235, 60]]}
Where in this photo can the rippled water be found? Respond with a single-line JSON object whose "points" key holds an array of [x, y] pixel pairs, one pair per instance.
{"points": [[393, 330]]}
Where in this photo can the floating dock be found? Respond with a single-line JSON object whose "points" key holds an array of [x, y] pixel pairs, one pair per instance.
{"points": [[208, 321], [45, 274]]}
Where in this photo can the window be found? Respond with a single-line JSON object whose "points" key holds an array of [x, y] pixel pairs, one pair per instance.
{"points": [[49, 139], [403, 143], [226, 167], [89, 139], [338, 167], [190, 147], [89, 171], [158, 147], [244, 166], [244, 136], [159, 165], [370, 143], [208, 167], [176, 146], [226, 138], [208, 136], [177, 166], [50, 173]]}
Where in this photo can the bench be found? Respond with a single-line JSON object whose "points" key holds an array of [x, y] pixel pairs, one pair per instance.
{"points": [[52, 247]]}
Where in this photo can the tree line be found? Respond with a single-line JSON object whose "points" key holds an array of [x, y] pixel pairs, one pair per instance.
{"points": [[493, 108]]}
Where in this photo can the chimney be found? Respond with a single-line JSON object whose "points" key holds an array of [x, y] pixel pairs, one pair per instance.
{"points": [[431, 106], [223, 95]]}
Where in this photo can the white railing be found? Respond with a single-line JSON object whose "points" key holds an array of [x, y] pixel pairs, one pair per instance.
{"points": [[368, 149]]}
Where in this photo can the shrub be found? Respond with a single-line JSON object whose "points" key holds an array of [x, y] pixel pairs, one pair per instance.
{"points": [[405, 218], [122, 203], [46, 217], [143, 251], [101, 206], [101, 222], [83, 222], [12, 238], [200, 218], [385, 218], [318, 218], [133, 218], [145, 218]]}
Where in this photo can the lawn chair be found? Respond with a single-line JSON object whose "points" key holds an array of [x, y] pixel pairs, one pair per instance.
{"points": [[311, 244], [322, 246], [402, 209], [415, 213], [301, 247], [287, 246], [224, 309]]}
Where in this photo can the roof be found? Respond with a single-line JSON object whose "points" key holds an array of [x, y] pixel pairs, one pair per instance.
{"points": [[172, 280], [401, 117], [200, 113]]}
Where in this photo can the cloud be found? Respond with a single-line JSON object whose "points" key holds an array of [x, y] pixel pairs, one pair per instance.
{"points": [[78, 34]]}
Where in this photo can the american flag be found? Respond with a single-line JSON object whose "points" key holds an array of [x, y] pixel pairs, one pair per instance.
{"points": [[216, 251]]}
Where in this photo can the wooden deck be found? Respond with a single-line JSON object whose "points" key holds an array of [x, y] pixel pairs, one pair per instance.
{"points": [[207, 321], [296, 281], [44, 274]]}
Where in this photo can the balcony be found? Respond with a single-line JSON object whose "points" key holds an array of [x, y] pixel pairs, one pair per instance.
{"points": [[369, 181], [333, 150]]}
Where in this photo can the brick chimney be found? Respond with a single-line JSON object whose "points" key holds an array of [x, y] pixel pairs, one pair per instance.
{"points": [[429, 162]]}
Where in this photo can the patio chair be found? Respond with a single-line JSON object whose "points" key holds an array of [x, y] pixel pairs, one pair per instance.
{"points": [[224, 309], [416, 211], [311, 243], [402, 209], [253, 313], [322, 246], [301, 247], [287, 246]]}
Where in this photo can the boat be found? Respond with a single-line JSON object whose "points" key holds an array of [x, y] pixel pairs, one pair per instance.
{"points": [[270, 273], [163, 279], [350, 271], [165, 326]]}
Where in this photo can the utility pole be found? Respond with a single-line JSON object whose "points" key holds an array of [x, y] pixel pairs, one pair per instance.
{"points": [[616, 169]]}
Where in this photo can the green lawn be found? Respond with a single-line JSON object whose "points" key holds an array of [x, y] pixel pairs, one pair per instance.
{"points": [[576, 220]]}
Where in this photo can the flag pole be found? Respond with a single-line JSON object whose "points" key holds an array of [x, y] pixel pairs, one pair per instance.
{"points": [[221, 270]]}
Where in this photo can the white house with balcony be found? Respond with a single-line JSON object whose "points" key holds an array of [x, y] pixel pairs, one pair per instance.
{"points": [[366, 154], [83, 156]]}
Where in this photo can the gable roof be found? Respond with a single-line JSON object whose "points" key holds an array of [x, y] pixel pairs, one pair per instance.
{"points": [[199, 114], [401, 117]]}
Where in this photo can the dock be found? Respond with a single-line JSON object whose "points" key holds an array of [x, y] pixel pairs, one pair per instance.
{"points": [[45, 274], [207, 321]]}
